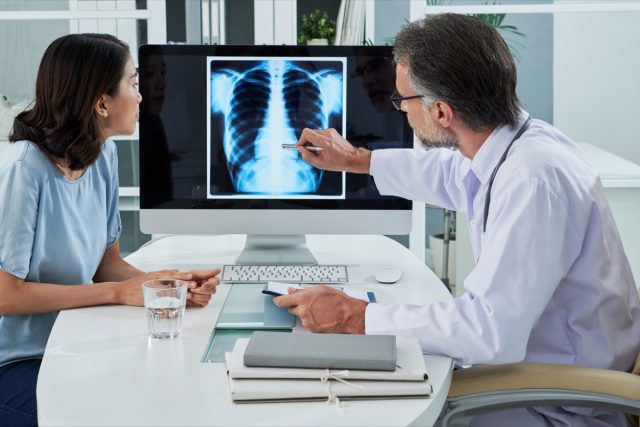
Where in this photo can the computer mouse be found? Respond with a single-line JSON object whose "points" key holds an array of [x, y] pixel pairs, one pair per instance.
{"points": [[388, 275]]}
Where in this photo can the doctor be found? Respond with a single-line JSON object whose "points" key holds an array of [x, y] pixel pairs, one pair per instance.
{"points": [[551, 282]]}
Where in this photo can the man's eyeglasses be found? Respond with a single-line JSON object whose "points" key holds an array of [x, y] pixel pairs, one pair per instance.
{"points": [[396, 99]]}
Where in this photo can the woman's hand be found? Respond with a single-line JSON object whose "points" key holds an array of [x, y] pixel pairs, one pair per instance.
{"points": [[203, 286], [129, 292]]}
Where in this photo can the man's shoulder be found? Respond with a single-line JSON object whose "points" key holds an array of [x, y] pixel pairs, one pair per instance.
{"points": [[546, 154], [553, 164]]}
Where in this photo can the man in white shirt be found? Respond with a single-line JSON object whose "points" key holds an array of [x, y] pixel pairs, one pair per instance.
{"points": [[551, 283]]}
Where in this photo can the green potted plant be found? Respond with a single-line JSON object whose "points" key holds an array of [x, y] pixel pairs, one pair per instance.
{"points": [[317, 28]]}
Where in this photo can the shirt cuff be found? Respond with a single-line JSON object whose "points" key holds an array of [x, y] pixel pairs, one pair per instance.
{"points": [[377, 168], [373, 165], [374, 323]]}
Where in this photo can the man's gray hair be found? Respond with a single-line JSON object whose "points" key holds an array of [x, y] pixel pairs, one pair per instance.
{"points": [[464, 62]]}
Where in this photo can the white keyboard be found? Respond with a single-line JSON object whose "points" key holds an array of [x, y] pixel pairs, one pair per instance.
{"points": [[285, 273]]}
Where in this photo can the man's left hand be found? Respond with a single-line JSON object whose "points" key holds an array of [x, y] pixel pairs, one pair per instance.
{"points": [[203, 286], [324, 309]]}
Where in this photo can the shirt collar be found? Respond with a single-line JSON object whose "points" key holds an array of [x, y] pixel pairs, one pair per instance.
{"points": [[491, 150]]}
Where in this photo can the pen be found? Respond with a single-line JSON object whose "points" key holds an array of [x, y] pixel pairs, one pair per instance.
{"points": [[294, 147], [268, 291]]}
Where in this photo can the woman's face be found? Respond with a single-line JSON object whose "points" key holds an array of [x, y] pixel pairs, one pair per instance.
{"points": [[123, 108]]}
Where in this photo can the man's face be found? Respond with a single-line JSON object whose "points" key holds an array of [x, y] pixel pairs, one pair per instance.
{"points": [[428, 130]]}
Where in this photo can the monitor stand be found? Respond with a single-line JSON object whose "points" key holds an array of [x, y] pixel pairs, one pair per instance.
{"points": [[277, 249]]}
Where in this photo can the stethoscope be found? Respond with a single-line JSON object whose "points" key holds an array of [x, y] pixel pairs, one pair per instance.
{"points": [[487, 198]]}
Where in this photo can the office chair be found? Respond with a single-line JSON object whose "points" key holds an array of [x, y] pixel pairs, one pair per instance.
{"points": [[491, 388]]}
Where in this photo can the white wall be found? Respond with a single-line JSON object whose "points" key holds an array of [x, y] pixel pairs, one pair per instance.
{"points": [[23, 41], [390, 16], [22, 44], [597, 80]]}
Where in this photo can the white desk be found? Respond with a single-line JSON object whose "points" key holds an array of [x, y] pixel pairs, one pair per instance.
{"points": [[100, 368]]}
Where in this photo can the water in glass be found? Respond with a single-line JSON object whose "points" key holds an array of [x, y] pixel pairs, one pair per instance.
{"points": [[164, 316], [164, 302]]}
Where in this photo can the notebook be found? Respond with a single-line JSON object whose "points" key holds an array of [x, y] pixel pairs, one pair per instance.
{"points": [[409, 366], [263, 384], [325, 351]]}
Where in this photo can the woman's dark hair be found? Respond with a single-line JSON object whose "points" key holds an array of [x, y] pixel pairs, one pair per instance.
{"points": [[464, 62], [74, 72]]}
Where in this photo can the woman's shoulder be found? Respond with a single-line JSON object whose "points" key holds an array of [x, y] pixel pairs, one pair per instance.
{"points": [[23, 153], [109, 146], [107, 160], [108, 152]]}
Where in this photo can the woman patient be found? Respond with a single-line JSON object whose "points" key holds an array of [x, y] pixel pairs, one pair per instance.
{"points": [[59, 219]]}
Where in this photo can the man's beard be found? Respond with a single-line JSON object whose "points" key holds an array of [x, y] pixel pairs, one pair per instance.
{"points": [[438, 139], [445, 141]]}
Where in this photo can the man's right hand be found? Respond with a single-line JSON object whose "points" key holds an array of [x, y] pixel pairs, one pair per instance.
{"points": [[324, 309], [337, 153]]}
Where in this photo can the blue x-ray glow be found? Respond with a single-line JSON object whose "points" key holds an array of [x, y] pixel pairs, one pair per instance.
{"points": [[264, 107]]}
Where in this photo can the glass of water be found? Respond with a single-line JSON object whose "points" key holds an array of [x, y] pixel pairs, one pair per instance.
{"points": [[164, 302]]}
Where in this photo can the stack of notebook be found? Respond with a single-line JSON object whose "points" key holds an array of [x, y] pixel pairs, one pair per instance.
{"points": [[277, 366]]}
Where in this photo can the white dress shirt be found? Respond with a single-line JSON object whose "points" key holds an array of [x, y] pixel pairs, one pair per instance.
{"points": [[551, 284]]}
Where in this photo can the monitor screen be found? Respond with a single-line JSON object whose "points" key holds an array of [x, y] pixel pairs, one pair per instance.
{"points": [[213, 121]]}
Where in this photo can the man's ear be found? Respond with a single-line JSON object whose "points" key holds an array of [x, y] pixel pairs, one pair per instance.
{"points": [[101, 107], [442, 113]]}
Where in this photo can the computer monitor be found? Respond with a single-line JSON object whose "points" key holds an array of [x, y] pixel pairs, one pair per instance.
{"points": [[212, 123]]}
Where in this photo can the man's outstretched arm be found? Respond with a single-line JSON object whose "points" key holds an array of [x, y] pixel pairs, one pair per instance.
{"points": [[337, 153]]}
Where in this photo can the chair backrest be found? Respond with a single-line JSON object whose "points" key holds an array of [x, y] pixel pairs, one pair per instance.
{"points": [[634, 419]]}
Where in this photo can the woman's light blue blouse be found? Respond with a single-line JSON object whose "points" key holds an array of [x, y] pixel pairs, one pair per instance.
{"points": [[53, 230]]}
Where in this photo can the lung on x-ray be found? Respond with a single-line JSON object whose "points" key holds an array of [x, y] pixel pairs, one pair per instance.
{"points": [[257, 104]]}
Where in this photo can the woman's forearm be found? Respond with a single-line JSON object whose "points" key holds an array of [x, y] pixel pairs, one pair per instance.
{"points": [[31, 298], [113, 268]]}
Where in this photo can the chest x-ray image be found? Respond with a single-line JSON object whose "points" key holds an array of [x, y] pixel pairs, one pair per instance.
{"points": [[257, 104]]}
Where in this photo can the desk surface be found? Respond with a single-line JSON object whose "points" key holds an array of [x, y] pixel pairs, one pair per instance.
{"points": [[614, 171], [100, 367]]}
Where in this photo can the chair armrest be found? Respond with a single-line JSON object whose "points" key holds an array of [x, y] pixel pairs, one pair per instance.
{"points": [[521, 376], [495, 387]]}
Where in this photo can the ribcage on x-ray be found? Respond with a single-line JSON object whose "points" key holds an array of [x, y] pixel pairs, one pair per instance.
{"points": [[264, 107], [248, 112], [303, 101]]}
